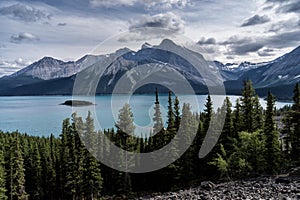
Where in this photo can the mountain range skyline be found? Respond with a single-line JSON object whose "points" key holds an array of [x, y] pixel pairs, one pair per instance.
{"points": [[49, 76], [229, 31]]}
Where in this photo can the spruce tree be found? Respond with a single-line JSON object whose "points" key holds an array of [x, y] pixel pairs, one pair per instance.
{"points": [[257, 114], [237, 120], [171, 117], [2, 174], [92, 179], [177, 113], [247, 106], [188, 128], [172, 129], [287, 132], [34, 173], [295, 138], [227, 132], [272, 137], [208, 114], [125, 131], [17, 171], [157, 119]]}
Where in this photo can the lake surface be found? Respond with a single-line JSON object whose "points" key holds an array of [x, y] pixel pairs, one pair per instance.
{"points": [[43, 115]]}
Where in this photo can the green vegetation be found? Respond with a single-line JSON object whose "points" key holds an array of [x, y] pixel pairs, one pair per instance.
{"points": [[61, 168]]}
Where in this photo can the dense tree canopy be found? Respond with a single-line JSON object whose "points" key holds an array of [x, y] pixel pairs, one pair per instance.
{"points": [[62, 168]]}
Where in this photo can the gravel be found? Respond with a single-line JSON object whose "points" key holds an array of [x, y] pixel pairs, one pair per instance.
{"points": [[284, 188]]}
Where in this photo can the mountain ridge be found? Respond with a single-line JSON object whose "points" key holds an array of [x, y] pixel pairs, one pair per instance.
{"points": [[58, 76]]}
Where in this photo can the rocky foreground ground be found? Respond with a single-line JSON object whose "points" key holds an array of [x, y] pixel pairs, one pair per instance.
{"points": [[281, 187]]}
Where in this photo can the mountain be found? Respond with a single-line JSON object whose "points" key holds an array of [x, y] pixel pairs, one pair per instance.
{"points": [[45, 69], [279, 76], [172, 65], [49, 68]]}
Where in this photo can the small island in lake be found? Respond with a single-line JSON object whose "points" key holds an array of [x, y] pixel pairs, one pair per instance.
{"points": [[77, 103]]}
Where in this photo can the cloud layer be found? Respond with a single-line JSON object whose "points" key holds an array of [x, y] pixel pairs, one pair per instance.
{"points": [[255, 20], [24, 13], [21, 37], [163, 4], [257, 31], [154, 26]]}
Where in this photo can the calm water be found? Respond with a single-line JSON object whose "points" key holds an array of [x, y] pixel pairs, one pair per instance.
{"points": [[42, 115]]}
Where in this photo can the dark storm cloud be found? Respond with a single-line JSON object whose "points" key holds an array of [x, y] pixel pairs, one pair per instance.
{"points": [[255, 20], [24, 13], [208, 41]]}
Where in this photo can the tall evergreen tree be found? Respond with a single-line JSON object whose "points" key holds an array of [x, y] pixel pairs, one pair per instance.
{"points": [[272, 137], [17, 171], [237, 120], [177, 113], [125, 133], [188, 128], [157, 119], [247, 106], [295, 137], [257, 114], [2, 173], [208, 114], [34, 173], [92, 179], [227, 132], [171, 117]]}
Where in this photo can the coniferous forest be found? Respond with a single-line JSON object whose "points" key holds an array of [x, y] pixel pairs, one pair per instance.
{"points": [[251, 144]]}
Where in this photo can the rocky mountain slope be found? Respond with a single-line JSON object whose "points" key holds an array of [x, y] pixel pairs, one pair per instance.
{"points": [[51, 76]]}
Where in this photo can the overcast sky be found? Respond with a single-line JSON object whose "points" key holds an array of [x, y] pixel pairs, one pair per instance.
{"points": [[225, 30]]}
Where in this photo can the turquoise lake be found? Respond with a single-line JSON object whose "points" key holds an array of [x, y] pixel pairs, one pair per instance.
{"points": [[43, 115]]}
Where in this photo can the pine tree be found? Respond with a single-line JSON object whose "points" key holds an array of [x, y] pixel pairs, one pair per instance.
{"points": [[237, 120], [2, 174], [171, 130], [272, 137], [157, 119], [188, 128], [287, 132], [208, 114], [177, 113], [295, 137], [92, 179], [125, 131], [171, 117], [34, 173], [227, 132], [125, 127], [78, 127], [247, 107], [64, 162], [17, 171], [257, 114]]}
